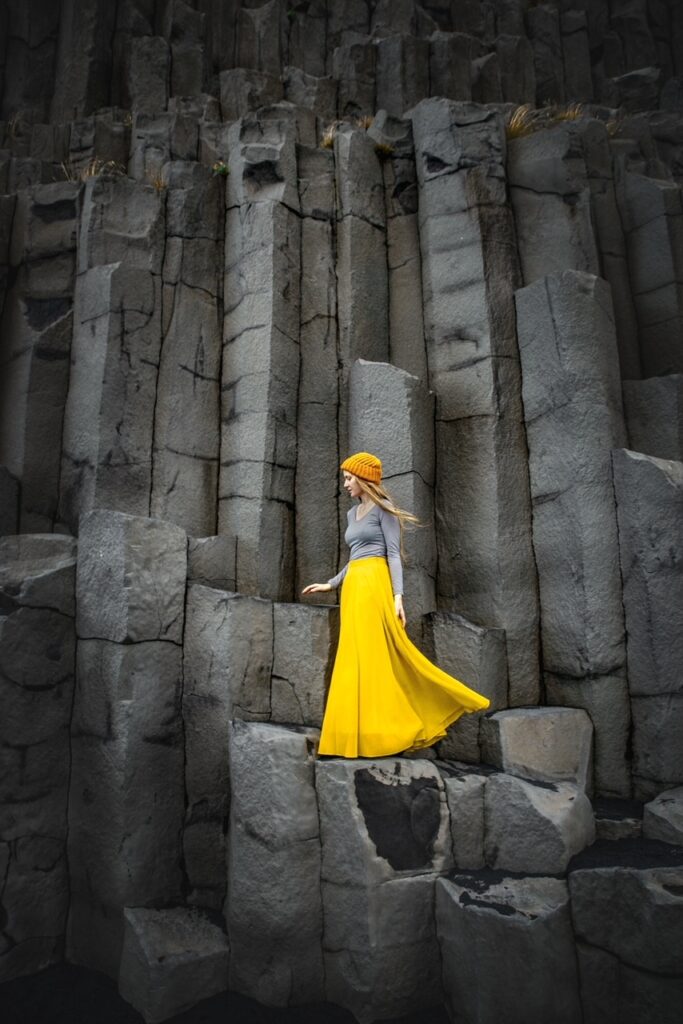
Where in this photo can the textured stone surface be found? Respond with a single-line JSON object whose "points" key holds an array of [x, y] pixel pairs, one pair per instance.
{"points": [[274, 908], [465, 233], [663, 817], [171, 960], [552, 744], [477, 656], [385, 832], [211, 561], [304, 646], [131, 578], [516, 932], [654, 416], [535, 827], [465, 786], [37, 662]]}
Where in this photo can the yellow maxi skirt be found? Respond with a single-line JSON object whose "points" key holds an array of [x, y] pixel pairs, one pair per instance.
{"points": [[385, 696]]}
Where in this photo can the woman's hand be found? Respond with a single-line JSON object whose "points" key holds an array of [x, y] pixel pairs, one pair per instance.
{"points": [[314, 588], [400, 611]]}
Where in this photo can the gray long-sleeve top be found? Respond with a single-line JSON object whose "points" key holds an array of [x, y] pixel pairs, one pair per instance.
{"points": [[377, 534]]}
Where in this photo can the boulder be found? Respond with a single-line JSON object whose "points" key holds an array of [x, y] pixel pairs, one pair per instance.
{"points": [[171, 959], [516, 933], [535, 827], [131, 578], [274, 910], [304, 647], [551, 744], [663, 817]]}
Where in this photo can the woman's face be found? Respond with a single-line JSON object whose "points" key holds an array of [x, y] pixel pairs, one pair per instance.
{"points": [[351, 485]]}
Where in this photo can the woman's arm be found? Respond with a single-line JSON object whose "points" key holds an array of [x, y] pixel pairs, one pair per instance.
{"points": [[336, 580], [391, 528]]}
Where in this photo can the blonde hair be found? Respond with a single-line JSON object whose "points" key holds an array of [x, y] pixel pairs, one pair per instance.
{"points": [[381, 497]]}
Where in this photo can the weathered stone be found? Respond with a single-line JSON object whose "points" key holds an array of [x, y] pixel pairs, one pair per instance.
{"points": [[517, 933], [109, 415], [634, 914], [9, 502], [477, 656], [657, 744], [618, 819], [304, 646], [276, 954], [171, 959], [306, 44], [83, 59], [258, 41], [543, 23], [131, 578], [211, 561], [121, 220], [466, 242], [516, 61], [392, 412], [127, 796], [244, 90], [654, 416], [663, 817], [634, 91], [147, 83], [465, 785], [653, 221], [535, 827], [157, 139], [572, 407], [227, 665], [28, 65], [616, 993], [485, 77], [551, 744], [37, 656], [353, 65], [184, 28], [551, 199], [450, 59], [402, 72], [606, 699], [96, 140], [385, 833], [576, 56], [649, 496], [307, 90]]}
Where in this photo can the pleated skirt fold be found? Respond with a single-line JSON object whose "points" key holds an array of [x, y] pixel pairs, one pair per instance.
{"points": [[385, 696]]}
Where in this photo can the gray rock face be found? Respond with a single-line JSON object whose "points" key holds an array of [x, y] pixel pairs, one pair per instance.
{"points": [[649, 494], [37, 661], [274, 920], [464, 238], [663, 817], [211, 561], [654, 416], [171, 960], [505, 929], [477, 656], [304, 646], [126, 800], [535, 827], [551, 744], [465, 787], [385, 833], [131, 578]]}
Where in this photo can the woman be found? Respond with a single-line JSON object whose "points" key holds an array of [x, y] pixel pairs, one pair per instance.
{"points": [[385, 696]]}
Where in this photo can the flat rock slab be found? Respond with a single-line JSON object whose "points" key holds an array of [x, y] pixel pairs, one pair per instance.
{"points": [[171, 960], [663, 817], [39, 570], [552, 744], [500, 934]]}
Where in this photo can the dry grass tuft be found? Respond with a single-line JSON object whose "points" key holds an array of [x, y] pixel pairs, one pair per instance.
{"points": [[328, 136], [157, 180], [384, 150], [572, 112], [92, 169], [522, 121], [364, 121]]}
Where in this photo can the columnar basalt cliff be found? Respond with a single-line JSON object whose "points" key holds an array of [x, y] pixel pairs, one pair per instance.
{"points": [[238, 240]]}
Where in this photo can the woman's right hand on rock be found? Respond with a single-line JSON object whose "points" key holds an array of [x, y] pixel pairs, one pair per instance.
{"points": [[313, 588]]}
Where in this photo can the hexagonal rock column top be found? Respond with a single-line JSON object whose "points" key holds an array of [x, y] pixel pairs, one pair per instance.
{"points": [[551, 744], [385, 834], [37, 649], [663, 817], [171, 960], [131, 578], [507, 948], [535, 827], [649, 495], [627, 911], [273, 910]]}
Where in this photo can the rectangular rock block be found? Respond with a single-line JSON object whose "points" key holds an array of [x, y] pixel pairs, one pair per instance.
{"points": [[304, 647]]}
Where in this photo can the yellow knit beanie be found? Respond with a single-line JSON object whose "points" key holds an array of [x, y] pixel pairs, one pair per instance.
{"points": [[364, 465]]}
